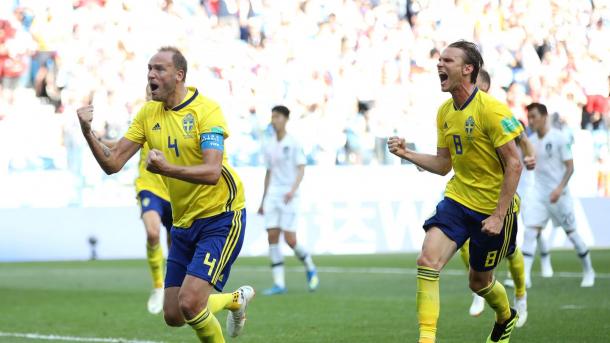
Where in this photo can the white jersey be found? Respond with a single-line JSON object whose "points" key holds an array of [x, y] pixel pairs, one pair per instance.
{"points": [[552, 151], [283, 158]]}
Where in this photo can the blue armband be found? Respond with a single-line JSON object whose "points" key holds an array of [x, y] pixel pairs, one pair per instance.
{"points": [[212, 140]]}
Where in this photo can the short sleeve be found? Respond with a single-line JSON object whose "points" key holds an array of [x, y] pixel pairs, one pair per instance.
{"points": [[213, 121], [501, 126], [299, 154], [136, 133], [565, 148], [440, 128]]}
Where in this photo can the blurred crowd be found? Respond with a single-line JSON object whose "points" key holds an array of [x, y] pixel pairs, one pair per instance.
{"points": [[353, 72]]}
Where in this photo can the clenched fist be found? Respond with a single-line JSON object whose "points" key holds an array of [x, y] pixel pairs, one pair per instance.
{"points": [[530, 162], [85, 117], [397, 146], [156, 162]]}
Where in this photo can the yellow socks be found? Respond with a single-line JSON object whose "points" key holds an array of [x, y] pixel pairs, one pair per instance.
{"points": [[154, 254], [207, 328], [428, 303], [496, 297], [465, 254], [517, 271], [229, 301]]}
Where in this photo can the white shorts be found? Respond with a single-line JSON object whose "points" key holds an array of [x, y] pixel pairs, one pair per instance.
{"points": [[280, 215], [538, 210]]}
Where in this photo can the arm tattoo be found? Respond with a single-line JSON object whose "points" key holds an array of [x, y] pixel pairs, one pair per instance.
{"points": [[105, 149]]}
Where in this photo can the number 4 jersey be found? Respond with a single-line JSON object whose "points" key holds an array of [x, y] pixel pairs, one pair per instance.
{"points": [[181, 133], [472, 134]]}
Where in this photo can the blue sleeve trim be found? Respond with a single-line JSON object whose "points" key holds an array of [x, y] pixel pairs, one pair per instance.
{"points": [[212, 140]]}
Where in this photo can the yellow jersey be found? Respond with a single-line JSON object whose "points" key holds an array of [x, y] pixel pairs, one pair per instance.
{"points": [[472, 134], [178, 132], [147, 181]]}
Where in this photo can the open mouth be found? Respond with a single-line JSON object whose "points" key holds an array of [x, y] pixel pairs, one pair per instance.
{"points": [[442, 76], [154, 87]]}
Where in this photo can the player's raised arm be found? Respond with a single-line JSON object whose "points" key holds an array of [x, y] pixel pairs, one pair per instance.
{"points": [[110, 159], [206, 173], [438, 164], [509, 157]]}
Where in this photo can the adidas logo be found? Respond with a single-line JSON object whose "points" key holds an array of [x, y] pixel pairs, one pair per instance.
{"points": [[444, 126], [156, 127]]}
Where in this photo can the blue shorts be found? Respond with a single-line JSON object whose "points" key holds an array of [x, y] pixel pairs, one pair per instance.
{"points": [[207, 249], [151, 202], [459, 223]]}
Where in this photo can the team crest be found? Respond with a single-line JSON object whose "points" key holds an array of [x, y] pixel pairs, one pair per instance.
{"points": [[188, 123], [469, 127], [145, 202]]}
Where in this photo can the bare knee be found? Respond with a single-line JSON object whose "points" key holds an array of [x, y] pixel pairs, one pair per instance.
{"points": [[171, 314], [173, 318], [152, 238], [291, 239], [273, 236], [426, 260], [190, 304], [478, 281]]}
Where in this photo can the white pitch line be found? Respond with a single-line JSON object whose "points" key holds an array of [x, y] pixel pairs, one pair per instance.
{"points": [[72, 338], [403, 271]]}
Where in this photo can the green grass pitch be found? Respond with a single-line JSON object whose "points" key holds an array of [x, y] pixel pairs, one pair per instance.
{"points": [[366, 298]]}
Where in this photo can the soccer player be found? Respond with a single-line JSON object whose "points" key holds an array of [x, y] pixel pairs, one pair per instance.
{"points": [[552, 198], [285, 161], [186, 131], [515, 260], [476, 137], [156, 210]]}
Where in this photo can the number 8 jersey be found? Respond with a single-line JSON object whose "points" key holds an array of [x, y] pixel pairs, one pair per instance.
{"points": [[180, 133], [472, 133]]}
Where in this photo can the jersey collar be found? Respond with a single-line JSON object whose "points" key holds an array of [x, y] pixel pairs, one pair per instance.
{"points": [[188, 101], [474, 92]]}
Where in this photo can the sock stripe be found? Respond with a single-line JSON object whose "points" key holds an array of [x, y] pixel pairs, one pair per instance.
{"points": [[584, 254], [483, 292], [530, 255], [203, 315], [422, 268], [277, 264], [428, 273]]}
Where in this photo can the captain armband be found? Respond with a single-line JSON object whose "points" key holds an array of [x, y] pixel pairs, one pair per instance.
{"points": [[211, 140]]}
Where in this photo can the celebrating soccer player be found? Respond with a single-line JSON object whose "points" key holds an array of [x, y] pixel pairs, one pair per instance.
{"points": [[476, 137], [515, 260], [186, 131]]}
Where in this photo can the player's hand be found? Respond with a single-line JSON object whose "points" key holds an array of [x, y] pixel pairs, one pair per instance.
{"points": [[156, 162], [288, 197], [492, 225], [530, 162], [397, 146], [85, 117], [261, 211], [555, 195]]}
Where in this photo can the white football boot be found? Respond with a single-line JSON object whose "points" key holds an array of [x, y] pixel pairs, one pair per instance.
{"points": [[237, 319]]}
